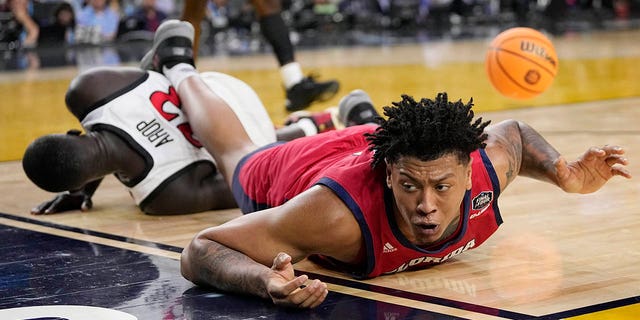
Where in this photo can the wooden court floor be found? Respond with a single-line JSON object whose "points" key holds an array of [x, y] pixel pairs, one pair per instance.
{"points": [[555, 256]]}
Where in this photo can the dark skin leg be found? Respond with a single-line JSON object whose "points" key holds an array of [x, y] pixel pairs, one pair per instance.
{"points": [[194, 11], [266, 7], [199, 189]]}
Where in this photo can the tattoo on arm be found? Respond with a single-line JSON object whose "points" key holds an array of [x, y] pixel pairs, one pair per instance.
{"points": [[538, 155], [522, 151], [510, 141], [515, 159], [229, 270]]}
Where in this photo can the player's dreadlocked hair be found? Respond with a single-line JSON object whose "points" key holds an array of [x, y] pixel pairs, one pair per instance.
{"points": [[427, 130]]}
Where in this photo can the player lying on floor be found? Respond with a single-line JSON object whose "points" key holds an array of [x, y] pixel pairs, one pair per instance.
{"points": [[413, 191], [137, 131]]}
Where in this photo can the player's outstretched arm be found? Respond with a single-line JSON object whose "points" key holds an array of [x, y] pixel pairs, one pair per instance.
{"points": [[247, 254], [208, 263], [515, 148]]}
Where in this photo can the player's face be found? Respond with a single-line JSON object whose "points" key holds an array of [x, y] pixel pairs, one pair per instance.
{"points": [[427, 196]]}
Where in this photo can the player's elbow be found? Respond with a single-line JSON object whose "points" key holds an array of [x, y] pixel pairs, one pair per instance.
{"points": [[193, 265], [185, 264], [189, 260]]}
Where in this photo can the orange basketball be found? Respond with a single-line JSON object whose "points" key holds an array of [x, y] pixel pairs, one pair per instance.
{"points": [[521, 63]]}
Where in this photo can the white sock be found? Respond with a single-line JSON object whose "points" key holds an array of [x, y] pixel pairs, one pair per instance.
{"points": [[307, 126], [291, 74], [178, 73]]}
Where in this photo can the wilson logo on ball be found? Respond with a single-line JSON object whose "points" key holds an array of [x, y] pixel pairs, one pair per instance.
{"points": [[528, 46]]}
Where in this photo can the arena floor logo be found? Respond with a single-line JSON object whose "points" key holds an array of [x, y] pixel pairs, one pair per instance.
{"points": [[64, 312]]}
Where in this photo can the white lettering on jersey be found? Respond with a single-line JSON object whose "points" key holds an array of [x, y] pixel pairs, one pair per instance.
{"points": [[153, 131], [433, 260]]}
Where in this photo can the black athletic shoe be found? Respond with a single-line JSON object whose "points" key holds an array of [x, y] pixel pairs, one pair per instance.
{"points": [[305, 92], [172, 44], [356, 108]]}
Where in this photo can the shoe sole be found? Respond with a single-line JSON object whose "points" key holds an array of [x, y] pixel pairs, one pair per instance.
{"points": [[168, 29], [329, 93]]}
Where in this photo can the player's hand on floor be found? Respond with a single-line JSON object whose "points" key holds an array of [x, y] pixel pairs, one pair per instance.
{"points": [[286, 289], [64, 202], [592, 170]]}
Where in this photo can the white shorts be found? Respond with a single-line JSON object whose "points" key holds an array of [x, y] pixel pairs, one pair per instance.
{"points": [[246, 104]]}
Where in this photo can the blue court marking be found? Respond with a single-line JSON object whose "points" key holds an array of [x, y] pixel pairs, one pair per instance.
{"points": [[360, 285], [104, 235], [43, 269]]}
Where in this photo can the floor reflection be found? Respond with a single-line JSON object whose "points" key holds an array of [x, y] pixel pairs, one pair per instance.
{"points": [[44, 269]]}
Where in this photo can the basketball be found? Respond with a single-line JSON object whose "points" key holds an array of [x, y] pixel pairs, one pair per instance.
{"points": [[521, 63]]}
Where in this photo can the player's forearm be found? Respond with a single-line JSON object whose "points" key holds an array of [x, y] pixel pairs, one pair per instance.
{"points": [[538, 156], [90, 188], [208, 263]]}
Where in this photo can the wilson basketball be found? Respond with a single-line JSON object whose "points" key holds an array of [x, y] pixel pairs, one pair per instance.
{"points": [[521, 63]]}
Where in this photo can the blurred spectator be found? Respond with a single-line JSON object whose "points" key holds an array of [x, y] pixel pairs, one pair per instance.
{"points": [[217, 12], [142, 18], [241, 15], [17, 28], [77, 5], [61, 31], [167, 6], [149, 15], [97, 23]]}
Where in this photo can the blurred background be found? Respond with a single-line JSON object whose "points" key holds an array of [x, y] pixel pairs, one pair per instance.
{"points": [[387, 47], [230, 27]]}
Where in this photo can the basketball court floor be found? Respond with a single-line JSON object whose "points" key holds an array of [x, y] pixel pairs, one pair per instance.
{"points": [[556, 256]]}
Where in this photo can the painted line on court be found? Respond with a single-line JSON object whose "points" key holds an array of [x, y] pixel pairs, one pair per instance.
{"points": [[345, 286], [73, 234], [606, 310], [104, 235], [460, 305]]}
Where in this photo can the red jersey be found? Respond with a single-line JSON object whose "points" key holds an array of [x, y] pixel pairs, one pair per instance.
{"points": [[341, 161], [276, 173]]}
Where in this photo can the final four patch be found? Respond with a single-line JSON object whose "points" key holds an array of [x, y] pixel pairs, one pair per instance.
{"points": [[482, 200]]}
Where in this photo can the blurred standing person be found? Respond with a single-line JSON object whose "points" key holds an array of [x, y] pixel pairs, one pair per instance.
{"points": [[17, 28], [97, 22], [301, 90], [61, 31]]}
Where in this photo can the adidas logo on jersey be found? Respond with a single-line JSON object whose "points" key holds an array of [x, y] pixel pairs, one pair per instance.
{"points": [[388, 248]]}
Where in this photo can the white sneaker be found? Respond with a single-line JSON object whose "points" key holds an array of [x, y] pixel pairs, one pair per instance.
{"points": [[356, 108], [172, 44]]}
